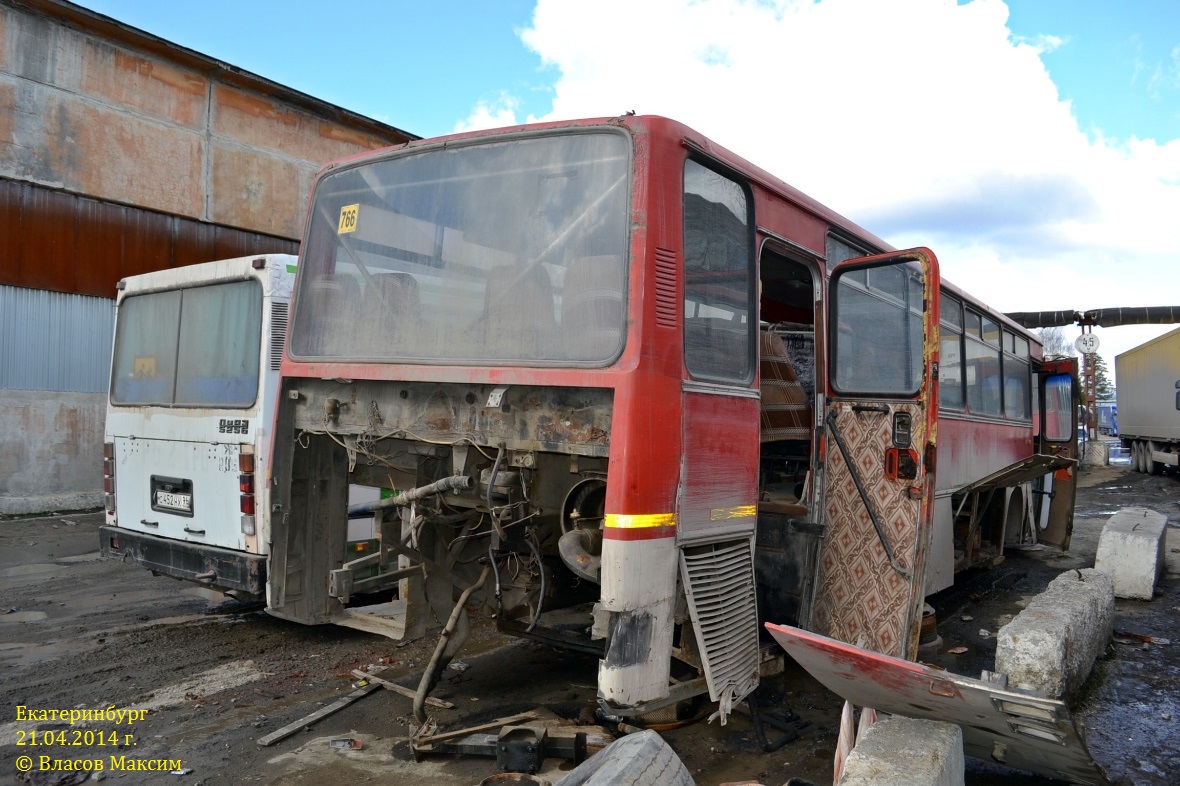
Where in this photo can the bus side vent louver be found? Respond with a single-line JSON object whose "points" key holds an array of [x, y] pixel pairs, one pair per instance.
{"points": [[719, 583], [665, 287], [278, 334]]}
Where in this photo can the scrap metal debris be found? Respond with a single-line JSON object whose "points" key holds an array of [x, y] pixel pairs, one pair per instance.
{"points": [[320, 714], [1127, 637]]}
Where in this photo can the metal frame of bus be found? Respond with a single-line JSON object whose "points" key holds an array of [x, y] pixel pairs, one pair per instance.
{"points": [[635, 508], [208, 461]]}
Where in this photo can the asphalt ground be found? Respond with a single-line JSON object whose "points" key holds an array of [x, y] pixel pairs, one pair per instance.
{"points": [[216, 674]]}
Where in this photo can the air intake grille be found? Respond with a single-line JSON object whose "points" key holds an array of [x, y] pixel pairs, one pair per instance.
{"points": [[719, 582], [665, 287], [278, 334]]}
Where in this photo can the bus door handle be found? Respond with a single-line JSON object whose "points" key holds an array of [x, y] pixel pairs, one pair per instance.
{"points": [[147, 523], [194, 531]]}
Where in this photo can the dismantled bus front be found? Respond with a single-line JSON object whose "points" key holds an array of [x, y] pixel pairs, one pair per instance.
{"points": [[607, 375]]}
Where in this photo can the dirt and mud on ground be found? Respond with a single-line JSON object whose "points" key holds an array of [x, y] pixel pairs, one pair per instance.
{"points": [[83, 632]]}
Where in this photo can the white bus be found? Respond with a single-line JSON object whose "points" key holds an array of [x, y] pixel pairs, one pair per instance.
{"points": [[194, 375]]}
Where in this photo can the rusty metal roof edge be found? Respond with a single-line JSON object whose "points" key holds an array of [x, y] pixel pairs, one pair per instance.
{"points": [[113, 29]]}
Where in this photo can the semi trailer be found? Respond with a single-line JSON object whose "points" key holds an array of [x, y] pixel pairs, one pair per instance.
{"points": [[1148, 396]]}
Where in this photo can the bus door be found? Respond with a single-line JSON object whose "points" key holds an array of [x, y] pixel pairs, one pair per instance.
{"points": [[877, 450], [717, 505], [1058, 436]]}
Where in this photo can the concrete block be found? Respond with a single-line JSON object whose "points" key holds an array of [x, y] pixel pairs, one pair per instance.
{"points": [[899, 751], [1096, 453], [1131, 551], [1050, 647]]}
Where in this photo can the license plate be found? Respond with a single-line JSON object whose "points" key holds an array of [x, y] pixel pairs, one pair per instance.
{"points": [[168, 499]]}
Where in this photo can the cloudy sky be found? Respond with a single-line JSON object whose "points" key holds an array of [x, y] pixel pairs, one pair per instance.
{"points": [[1033, 144]]}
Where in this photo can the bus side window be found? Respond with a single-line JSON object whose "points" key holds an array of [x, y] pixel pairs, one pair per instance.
{"points": [[950, 356], [718, 271]]}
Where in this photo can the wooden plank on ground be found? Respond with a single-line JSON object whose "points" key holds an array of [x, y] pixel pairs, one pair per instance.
{"points": [[401, 689], [450, 735], [319, 714]]}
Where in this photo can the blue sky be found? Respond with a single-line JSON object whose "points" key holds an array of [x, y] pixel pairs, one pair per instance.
{"points": [[1033, 144], [1118, 62]]}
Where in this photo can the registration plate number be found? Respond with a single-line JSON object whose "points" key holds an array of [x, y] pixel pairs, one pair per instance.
{"points": [[174, 501]]}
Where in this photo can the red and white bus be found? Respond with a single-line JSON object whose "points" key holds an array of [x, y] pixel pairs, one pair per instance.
{"points": [[638, 394]]}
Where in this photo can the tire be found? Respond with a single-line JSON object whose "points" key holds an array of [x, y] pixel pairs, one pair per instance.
{"points": [[641, 759], [1137, 455], [1153, 467]]}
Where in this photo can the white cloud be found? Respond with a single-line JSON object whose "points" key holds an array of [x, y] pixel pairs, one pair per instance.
{"points": [[1043, 43], [926, 121], [495, 113]]}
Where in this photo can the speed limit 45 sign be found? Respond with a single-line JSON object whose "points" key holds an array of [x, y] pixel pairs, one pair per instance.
{"points": [[1087, 343]]}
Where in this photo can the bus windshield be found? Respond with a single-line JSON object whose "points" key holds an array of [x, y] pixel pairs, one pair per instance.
{"points": [[189, 347], [512, 251]]}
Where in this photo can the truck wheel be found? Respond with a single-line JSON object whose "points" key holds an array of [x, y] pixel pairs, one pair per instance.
{"points": [[1154, 467], [641, 759], [1137, 455]]}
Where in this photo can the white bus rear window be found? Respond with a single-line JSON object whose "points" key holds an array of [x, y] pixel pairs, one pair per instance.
{"points": [[191, 347]]}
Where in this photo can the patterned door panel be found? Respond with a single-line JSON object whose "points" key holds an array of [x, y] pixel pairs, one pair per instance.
{"points": [[860, 598]]}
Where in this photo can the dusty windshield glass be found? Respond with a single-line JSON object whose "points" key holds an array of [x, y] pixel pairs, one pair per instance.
{"points": [[503, 252]]}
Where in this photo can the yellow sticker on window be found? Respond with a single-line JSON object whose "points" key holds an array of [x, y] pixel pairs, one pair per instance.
{"points": [[348, 217], [144, 367]]}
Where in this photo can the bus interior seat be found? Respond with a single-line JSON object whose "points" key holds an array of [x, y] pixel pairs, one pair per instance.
{"points": [[786, 422], [335, 298], [786, 407], [391, 311], [592, 308], [518, 309]]}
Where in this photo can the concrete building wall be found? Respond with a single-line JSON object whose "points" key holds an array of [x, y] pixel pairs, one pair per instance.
{"points": [[97, 108], [50, 451], [120, 153]]}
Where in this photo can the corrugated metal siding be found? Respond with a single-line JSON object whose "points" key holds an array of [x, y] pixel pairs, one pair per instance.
{"points": [[53, 341], [69, 243]]}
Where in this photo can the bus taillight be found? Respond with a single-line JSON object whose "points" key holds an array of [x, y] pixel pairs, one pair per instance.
{"points": [[108, 476], [246, 488]]}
